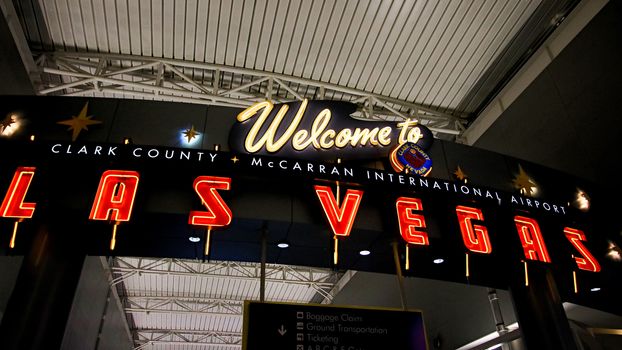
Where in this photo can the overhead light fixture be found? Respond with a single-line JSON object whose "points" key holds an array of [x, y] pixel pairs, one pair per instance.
{"points": [[439, 261], [595, 289], [364, 252], [194, 239], [582, 200], [614, 252], [283, 244], [32, 137]]}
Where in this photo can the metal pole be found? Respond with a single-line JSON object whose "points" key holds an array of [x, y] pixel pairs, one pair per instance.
{"points": [[498, 316], [262, 286], [496, 311], [400, 277]]}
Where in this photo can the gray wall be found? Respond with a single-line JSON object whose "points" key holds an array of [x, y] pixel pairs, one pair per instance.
{"points": [[85, 318], [569, 117]]}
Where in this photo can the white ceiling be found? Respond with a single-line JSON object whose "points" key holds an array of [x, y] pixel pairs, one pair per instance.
{"points": [[426, 52], [428, 59]]}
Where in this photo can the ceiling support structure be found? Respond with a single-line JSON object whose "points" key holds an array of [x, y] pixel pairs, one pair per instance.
{"points": [[317, 279], [115, 75], [147, 307], [184, 337], [183, 305]]}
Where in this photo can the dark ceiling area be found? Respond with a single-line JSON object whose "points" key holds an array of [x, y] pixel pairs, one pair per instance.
{"points": [[569, 117]]}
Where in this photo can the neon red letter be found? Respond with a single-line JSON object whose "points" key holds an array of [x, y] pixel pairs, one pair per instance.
{"points": [[219, 213], [13, 205], [341, 219], [115, 195], [475, 237], [587, 262], [531, 237], [409, 221]]}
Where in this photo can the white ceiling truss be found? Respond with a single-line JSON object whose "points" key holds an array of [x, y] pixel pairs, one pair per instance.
{"points": [[150, 337], [437, 61], [179, 304], [110, 75]]}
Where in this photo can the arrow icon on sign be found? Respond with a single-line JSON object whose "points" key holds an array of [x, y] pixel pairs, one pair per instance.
{"points": [[282, 330]]}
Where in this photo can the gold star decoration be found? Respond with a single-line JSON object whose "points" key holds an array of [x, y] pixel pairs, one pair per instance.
{"points": [[523, 182], [78, 123], [460, 175], [7, 122], [235, 159], [191, 133]]}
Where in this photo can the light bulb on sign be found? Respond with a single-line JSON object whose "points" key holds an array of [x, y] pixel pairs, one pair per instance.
{"points": [[582, 200], [614, 252]]}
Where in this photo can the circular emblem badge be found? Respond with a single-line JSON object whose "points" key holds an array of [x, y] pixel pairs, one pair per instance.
{"points": [[412, 158]]}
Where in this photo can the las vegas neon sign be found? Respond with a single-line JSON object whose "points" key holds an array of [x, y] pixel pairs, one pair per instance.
{"points": [[114, 201]]}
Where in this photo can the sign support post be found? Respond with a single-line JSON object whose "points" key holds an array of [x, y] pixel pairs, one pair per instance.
{"points": [[400, 277], [262, 285]]}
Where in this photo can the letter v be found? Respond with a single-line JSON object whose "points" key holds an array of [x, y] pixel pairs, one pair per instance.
{"points": [[341, 219]]}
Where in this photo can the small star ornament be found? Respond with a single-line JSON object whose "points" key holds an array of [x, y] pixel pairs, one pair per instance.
{"points": [[523, 183], [78, 123], [6, 122], [460, 175], [191, 133]]}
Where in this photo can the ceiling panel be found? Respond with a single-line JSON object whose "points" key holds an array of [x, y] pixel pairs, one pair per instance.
{"points": [[234, 31], [424, 52]]}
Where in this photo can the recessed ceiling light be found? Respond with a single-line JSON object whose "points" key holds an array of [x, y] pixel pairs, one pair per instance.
{"points": [[364, 252], [439, 261], [283, 245], [595, 289], [194, 239]]}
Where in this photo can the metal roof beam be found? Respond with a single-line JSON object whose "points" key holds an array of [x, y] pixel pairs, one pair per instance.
{"points": [[186, 337], [343, 281], [230, 269], [174, 304], [204, 344], [234, 92], [149, 310], [154, 332], [128, 272]]}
